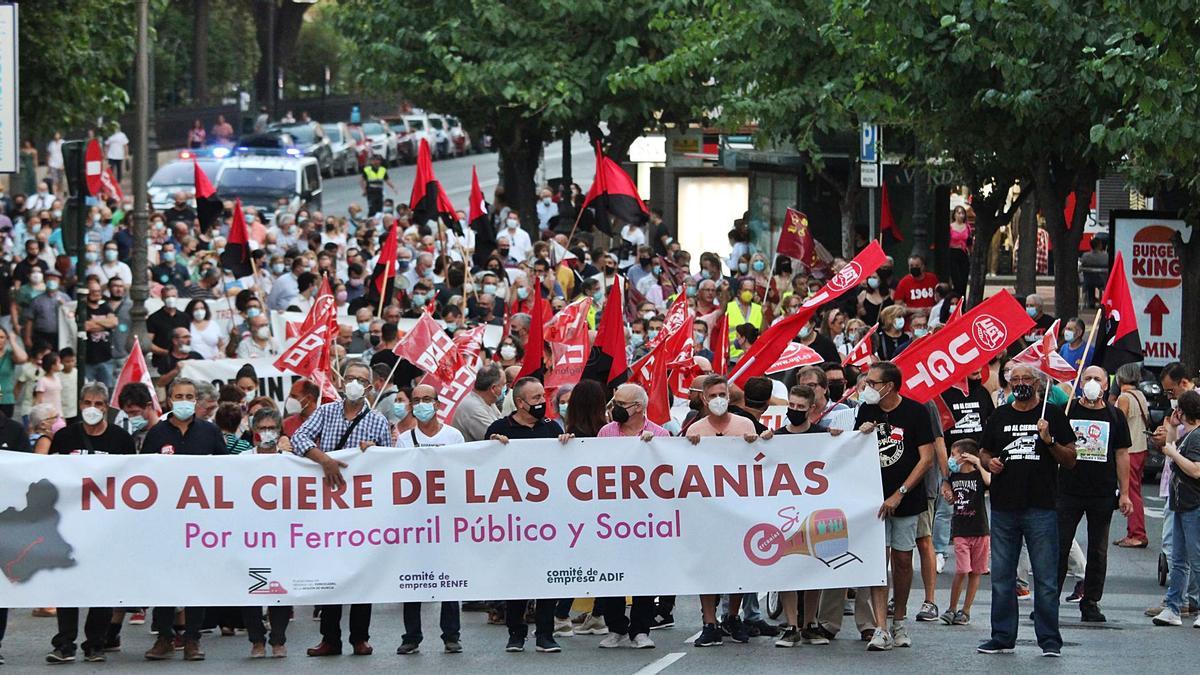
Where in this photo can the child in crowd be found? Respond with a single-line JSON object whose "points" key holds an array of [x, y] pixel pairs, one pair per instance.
{"points": [[49, 386], [968, 527]]}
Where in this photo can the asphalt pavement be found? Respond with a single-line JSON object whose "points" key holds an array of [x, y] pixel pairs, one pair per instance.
{"points": [[1127, 643], [455, 176]]}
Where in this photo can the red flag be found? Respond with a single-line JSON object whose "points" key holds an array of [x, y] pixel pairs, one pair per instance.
{"points": [[718, 344], [304, 356], [425, 345], [1044, 356], [1117, 339], [949, 355], [651, 371], [477, 220], [385, 267], [135, 370], [236, 256], [795, 355], [535, 344], [962, 385], [944, 415], [863, 353], [887, 223], [610, 337], [111, 186], [429, 200], [567, 334], [468, 345], [613, 192], [796, 240], [766, 350], [208, 206]]}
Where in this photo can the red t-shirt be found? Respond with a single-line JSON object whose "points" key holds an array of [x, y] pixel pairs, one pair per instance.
{"points": [[917, 293]]}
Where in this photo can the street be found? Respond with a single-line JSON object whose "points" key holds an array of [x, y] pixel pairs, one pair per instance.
{"points": [[1128, 642], [455, 176]]}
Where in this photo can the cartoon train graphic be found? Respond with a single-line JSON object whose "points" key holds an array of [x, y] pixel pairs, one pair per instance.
{"points": [[824, 535]]}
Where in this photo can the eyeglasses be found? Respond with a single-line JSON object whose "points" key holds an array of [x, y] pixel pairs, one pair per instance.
{"points": [[361, 380]]}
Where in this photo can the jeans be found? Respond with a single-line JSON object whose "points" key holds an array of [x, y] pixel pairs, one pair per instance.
{"points": [[543, 612], [1098, 511], [95, 629], [450, 622], [99, 372], [3, 623], [750, 609], [1193, 586], [162, 622], [331, 624], [1039, 529], [562, 608], [279, 615], [613, 611], [1185, 555], [941, 526]]}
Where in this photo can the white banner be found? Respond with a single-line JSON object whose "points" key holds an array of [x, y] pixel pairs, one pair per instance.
{"points": [[272, 382], [534, 519]]}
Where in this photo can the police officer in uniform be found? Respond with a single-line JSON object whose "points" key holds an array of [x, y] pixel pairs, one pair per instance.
{"points": [[374, 176]]}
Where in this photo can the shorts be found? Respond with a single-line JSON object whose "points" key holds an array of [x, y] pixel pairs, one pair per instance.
{"points": [[925, 520], [900, 532], [971, 554]]}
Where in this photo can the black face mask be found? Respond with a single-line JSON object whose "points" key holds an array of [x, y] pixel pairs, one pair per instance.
{"points": [[502, 251], [619, 414], [375, 340], [694, 404], [797, 418], [644, 261], [538, 411], [1023, 392], [915, 271], [837, 389]]}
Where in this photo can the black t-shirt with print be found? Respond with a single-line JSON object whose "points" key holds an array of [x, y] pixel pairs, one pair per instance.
{"points": [[1030, 475], [73, 440], [1098, 435], [900, 433], [970, 516], [970, 412]]}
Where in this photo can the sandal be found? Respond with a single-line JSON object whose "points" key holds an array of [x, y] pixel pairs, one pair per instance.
{"points": [[1130, 543]]}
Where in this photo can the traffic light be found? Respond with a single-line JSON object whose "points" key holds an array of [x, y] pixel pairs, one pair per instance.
{"points": [[75, 208]]}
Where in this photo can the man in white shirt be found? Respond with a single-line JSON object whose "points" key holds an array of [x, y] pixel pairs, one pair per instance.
{"points": [[111, 267], [116, 149], [519, 244], [43, 199], [54, 161], [258, 344], [546, 209]]}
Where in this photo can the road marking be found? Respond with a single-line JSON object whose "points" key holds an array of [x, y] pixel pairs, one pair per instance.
{"points": [[661, 664], [693, 638]]}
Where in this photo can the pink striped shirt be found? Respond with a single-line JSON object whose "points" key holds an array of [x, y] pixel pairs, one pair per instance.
{"points": [[613, 429]]}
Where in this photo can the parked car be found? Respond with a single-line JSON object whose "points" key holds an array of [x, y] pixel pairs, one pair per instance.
{"points": [[383, 142], [418, 126], [310, 140], [406, 141], [342, 146], [262, 181], [460, 140], [362, 144], [179, 176], [440, 137]]}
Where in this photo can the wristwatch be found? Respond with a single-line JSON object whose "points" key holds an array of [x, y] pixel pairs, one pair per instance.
{"points": [[903, 489]]}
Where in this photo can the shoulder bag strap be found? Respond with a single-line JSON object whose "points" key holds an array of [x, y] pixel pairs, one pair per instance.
{"points": [[350, 429]]}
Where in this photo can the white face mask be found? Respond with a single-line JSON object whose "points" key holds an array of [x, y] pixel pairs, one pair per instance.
{"points": [[268, 437], [186, 349], [92, 415], [262, 332], [292, 407], [870, 396], [172, 302], [1092, 390], [508, 352], [718, 406], [354, 390]]}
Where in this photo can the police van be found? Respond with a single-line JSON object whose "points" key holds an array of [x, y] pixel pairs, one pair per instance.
{"points": [[262, 180]]}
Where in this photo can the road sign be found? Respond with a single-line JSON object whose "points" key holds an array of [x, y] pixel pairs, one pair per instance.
{"points": [[93, 166], [868, 150], [1155, 279], [868, 174]]}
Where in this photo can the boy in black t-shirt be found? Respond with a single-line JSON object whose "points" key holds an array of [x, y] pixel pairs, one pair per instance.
{"points": [[968, 528]]}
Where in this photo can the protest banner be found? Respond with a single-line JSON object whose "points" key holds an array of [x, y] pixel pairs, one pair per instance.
{"points": [[530, 519]]}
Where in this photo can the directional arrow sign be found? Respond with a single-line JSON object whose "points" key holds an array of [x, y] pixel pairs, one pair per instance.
{"points": [[1156, 308]]}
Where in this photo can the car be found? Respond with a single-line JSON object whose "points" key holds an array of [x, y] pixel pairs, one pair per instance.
{"points": [[406, 141], [440, 136], [383, 142], [460, 140], [310, 139], [176, 176], [418, 126], [263, 180], [343, 148]]}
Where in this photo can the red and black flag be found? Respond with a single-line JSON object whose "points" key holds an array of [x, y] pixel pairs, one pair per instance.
{"points": [[208, 207], [477, 220], [1117, 339], [607, 362], [385, 266], [429, 200], [236, 256], [613, 193]]}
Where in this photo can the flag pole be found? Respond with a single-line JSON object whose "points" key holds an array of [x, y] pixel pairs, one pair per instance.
{"points": [[1083, 359], [379, 394], [258, 295], [382, 295]]}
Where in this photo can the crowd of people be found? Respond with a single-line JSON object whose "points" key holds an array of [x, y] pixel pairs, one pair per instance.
{"points": [[999, 487]]}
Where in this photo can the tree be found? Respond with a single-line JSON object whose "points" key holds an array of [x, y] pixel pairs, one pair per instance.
{"points": [[289, 17], [75, 59], [528, 71]]}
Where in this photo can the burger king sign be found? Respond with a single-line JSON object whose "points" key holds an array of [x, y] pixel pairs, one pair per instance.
{"points": [[1155, 278]]}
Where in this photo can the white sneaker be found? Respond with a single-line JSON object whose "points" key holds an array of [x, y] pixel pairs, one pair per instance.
{"points": [[592, 625], [881, 641], [941, 563], [615, 641], [643, 641], [563, 628], [900, 636], [1167, 617], [1196, 623]]}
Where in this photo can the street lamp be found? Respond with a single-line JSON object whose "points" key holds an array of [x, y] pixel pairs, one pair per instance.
{"points": [[139, 290]]}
